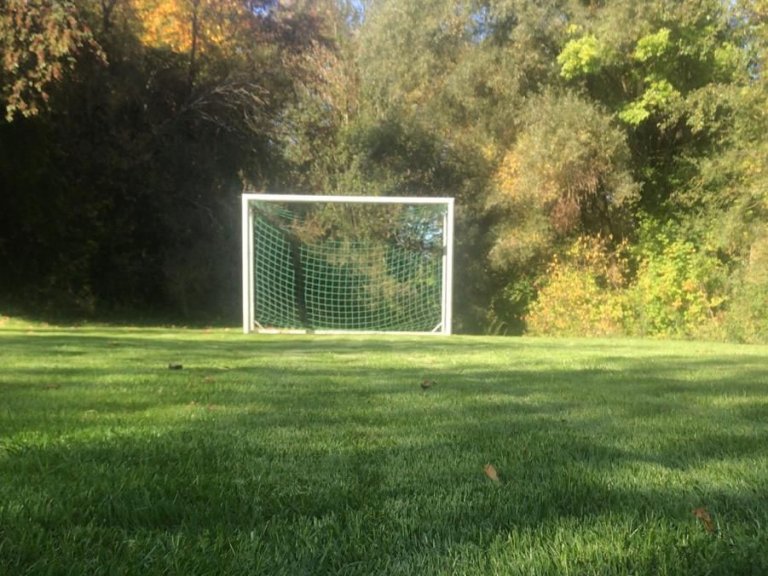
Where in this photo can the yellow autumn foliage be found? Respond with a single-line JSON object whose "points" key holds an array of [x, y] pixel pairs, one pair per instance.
{"points": [[174, 23], [584, 294]]}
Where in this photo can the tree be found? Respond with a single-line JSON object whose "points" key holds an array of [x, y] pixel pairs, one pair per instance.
{"points": [[666, 70], [124, 193], [39, 44], [567, 173]]}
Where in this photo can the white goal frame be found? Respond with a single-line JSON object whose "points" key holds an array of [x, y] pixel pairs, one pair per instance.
{"points": [[249, 324]]}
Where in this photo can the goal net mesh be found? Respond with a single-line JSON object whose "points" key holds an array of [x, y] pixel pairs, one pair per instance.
{"points": [[368, 267]]}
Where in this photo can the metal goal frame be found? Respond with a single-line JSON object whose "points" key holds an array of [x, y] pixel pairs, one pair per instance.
{"points": [[249, 325]]}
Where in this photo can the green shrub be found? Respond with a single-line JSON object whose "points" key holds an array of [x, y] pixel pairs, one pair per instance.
{"points": [[679, 290], [747, 317], [507, 310]]}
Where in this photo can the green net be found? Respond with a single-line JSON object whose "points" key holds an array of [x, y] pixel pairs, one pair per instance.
{"points": [[348, 267]]}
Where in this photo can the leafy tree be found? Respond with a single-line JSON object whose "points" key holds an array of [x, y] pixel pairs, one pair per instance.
{"points": [[462, 72], [567, 175], [123, 193], [567, 172], [39, 44], [666, 70]]}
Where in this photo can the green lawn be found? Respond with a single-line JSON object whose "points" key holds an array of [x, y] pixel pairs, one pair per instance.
{"points": [[322, 455]]}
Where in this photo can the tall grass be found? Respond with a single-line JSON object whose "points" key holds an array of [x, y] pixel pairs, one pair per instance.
{"points": [[323, 455]]}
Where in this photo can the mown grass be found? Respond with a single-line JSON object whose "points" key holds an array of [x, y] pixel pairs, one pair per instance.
{"points": [[322, 455]]}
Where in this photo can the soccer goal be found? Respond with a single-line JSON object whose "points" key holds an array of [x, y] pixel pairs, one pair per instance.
{"points": [[347, 264]]}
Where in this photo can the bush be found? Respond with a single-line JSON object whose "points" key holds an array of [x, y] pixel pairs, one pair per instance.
{"points": [[679, 290], [747, 318], [583, 294]]}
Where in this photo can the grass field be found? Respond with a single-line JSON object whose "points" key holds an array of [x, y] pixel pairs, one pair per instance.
{"points": [[322, 455]]}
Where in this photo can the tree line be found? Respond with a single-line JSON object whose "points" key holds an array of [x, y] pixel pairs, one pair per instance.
{"points": [[609, 159]]}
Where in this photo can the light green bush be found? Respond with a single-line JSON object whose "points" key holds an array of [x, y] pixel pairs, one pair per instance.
{"points": [[747, 318], [679, 290]]}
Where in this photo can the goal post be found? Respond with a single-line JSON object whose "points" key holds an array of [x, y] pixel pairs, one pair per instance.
{"points": [[335, 264]]}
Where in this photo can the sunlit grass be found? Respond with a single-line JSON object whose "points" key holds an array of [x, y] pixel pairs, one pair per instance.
{"points": [[322, 455]]}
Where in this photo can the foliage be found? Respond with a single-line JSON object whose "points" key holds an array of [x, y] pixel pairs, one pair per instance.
{"points": [[680, 288], [580, 57], [584, 292], [664, 286], [132, 126], [747, 318], [658, 96], [39, 44], [125, 187], [566, 173]]}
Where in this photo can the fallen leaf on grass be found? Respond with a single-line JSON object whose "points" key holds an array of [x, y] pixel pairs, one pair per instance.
{"points": [[490, 471], [703, 515]]}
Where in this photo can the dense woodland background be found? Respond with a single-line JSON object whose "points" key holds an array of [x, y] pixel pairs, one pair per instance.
{"points": [[609, 158]]}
